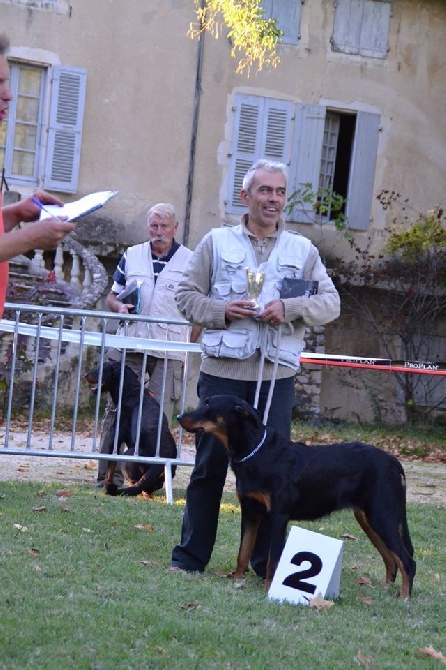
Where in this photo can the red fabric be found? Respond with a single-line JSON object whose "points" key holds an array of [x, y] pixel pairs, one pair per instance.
{"points": [[4, 268]]}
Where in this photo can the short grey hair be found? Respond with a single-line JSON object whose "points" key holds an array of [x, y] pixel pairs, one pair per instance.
{"points": [[262, 164], [162, 209], [4, 44]]}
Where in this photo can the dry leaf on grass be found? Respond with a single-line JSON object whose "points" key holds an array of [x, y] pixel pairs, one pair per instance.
{"points": [[432, 653], [35, 553], [190, 607], [240, 583], [144, 526], [319, 603], [64, 493], [365, 580], [152, 564], [158, 649], [366, 599], [347, 536], [40, 508], [363, 660]]}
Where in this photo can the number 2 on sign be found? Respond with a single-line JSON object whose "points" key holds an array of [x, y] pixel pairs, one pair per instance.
{"points": [[295, 579]]}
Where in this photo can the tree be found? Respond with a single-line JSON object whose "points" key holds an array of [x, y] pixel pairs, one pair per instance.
{"points": [[400, 295], [254, 39]]}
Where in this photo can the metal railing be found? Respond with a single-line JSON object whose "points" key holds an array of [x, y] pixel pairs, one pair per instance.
{"points": [[44, 365]]}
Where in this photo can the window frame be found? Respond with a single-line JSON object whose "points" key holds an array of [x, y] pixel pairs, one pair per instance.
{"points": [[12, 120], [301, 149], [59, 138]]}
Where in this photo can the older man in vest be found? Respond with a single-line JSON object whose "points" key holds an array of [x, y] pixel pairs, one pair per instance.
{"points": [[155, 267]]}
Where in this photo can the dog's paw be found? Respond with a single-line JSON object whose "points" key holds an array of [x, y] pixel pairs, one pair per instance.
{"points": [[111, 489]]}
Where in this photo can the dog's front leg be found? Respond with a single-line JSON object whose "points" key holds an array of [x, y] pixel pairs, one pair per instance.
{"points": [[109, 486], [252, 515], [279, 524]]}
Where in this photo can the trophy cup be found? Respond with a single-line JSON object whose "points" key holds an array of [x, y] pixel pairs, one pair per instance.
{"points": [[256, 279]]}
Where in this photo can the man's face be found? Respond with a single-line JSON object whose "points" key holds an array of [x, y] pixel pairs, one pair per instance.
{"points": [[265, 199], [161, 233], [5, 91]]}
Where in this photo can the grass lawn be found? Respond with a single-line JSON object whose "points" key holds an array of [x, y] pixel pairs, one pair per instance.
{"points": [[85, 585]]}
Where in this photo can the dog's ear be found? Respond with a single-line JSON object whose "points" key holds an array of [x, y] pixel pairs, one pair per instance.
{"points": [[249, 413]]}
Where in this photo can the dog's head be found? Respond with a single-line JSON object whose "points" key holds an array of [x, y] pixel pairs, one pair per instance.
{"points": [[225, 416], [111, 374]]}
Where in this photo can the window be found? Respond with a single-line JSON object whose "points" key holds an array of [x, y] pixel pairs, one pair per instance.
{"points": [[44, 150], [361, 27], [20, 135], [322, 147], [287, 13]]}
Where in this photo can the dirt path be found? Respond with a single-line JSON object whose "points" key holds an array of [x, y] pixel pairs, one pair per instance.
{"points": [[426, 481]]}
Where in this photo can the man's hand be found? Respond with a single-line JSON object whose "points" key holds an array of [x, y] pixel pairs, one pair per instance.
{"points": [[239, 309], [117, 306], [274, 313], [48, 233], [26, 210], [29, 211]]}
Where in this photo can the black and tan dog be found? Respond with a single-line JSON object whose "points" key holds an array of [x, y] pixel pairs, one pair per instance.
{"points": [[143, 477], [294, 481]]}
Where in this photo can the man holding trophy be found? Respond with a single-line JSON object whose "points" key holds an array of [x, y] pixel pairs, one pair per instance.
{"points": [[252, 338]]}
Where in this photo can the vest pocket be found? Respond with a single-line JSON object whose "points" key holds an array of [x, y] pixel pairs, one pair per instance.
{"points": [[227, 344], [290, 348]]}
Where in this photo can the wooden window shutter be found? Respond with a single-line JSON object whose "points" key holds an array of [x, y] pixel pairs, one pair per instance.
{"points": [[306, 156], [261, 130], [362, 170], [65, 129], [287, 13], [375, 29], [361, 27]]}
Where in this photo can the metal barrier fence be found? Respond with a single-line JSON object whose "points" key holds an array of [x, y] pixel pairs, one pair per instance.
{"points": [[48, 350]]}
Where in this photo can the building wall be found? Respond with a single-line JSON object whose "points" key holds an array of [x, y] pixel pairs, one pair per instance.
{"points": [[140, 103]]}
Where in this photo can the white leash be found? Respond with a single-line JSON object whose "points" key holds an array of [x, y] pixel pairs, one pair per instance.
{"points": [[261, 367]]}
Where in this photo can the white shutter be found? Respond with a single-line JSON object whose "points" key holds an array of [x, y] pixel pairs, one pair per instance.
{"points": [[375, 29], [362, 170], [306, 153], [275, 136], [287, 13], [261, 130], [361, 27], [245, 147], [65, 129], [347, 26]]}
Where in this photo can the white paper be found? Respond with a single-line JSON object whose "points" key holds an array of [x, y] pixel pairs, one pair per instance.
{"points": [[74, 210]]}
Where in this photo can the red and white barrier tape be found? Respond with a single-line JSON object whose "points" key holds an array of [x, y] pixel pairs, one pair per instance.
{"points": [[391, 365]]}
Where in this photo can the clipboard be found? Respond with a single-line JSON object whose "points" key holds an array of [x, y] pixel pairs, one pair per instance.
{"points": [[75, 210]]}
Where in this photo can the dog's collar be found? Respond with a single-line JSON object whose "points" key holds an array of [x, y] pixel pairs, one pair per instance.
{"points": [[245, 458]]}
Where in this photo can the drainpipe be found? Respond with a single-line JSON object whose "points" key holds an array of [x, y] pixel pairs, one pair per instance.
{"points": [[193, 139]]}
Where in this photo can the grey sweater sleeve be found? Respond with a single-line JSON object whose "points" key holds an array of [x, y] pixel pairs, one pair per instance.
{"points": [[192, 296]]}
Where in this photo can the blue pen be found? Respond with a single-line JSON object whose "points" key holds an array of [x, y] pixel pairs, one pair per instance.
{"points": [[44, 209]]}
